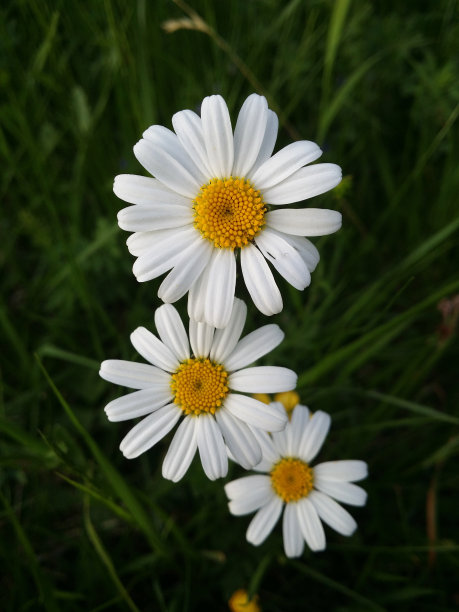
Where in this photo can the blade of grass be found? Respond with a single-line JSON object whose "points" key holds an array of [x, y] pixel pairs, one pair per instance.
{"points": [[342, 95], [46, 594], [336, 586], [118, 510], [374, 335], [335, 29], [413, 407], [118, 484], [48, 350], [105, 557]]}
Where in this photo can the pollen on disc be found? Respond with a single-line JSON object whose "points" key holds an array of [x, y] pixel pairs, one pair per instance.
{"points": [[229, 212], [291, 479], [199, 386]]}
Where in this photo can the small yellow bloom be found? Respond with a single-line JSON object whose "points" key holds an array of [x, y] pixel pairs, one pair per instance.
{"points": [[262, 397], [289, 399], [239, 602]]}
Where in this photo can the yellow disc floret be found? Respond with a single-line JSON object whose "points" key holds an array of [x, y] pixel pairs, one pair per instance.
{"points": [[229, 212], [199, 385], [289, 399], [291, 479]]}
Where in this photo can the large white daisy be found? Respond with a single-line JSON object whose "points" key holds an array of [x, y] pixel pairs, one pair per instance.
{"points": [[211, 199], [200, 386], [306, 493]]}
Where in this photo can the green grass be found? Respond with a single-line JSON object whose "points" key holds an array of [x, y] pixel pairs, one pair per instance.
{"points": [[376, 85]]}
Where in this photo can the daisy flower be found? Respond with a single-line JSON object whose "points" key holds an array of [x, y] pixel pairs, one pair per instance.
{"points": [[211, 199], [306, 493], [240, 602], [201, 386]]}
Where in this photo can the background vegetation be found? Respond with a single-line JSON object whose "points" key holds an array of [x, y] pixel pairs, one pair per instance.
{"points": [[374, 338]]}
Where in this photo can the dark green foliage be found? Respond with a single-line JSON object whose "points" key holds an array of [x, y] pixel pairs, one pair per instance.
{"points": [[377, 85]]}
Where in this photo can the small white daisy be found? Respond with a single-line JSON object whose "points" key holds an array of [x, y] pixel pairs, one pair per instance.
{"points": [[200, 386], [305, 491], [211, 199]]}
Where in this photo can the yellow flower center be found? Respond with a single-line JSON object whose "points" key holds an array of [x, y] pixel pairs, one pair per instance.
{"points": [[292, 479], [229, 212], [239, 602], [199, 385], [289, 399]]}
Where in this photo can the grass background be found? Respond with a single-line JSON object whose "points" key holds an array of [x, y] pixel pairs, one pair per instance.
{"points": [[373, 339]]}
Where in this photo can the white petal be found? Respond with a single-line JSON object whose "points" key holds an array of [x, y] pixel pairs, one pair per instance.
{"points": [[171, 331], [181, 450], [145, 191], [149, 431], [298, 423], [332, 513], [264, 466], [167, 168], [165, 140], [263, 379], [280, 438], [267, 145], [201, 336], [310, 525], [163, 253], [249, 133], [197, 296], [211, 447], [131, 374], [218, 135], [285, 258], [142, 242], [285, 163], [186, 271], [304, 221], [263, 416], [153, 350], [264, 520], [221, 282], [239, 439], [188, 127], [303, 184], [141, 218], [348, 470], [269, 451], [139, 403], [226, 339], [242, 487], [253, 346], [255, 499], [314, 435], [305, 248], [345, 492], [260, 281], [293, 538]]}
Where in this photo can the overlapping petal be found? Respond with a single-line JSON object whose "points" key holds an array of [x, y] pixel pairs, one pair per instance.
{"points": [[249, 133], [260, 281], [181, 451], [218, 135]]}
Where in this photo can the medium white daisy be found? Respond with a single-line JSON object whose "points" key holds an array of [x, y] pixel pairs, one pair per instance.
{"points": [[308, 493], [199, 385], [211, 199]]}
